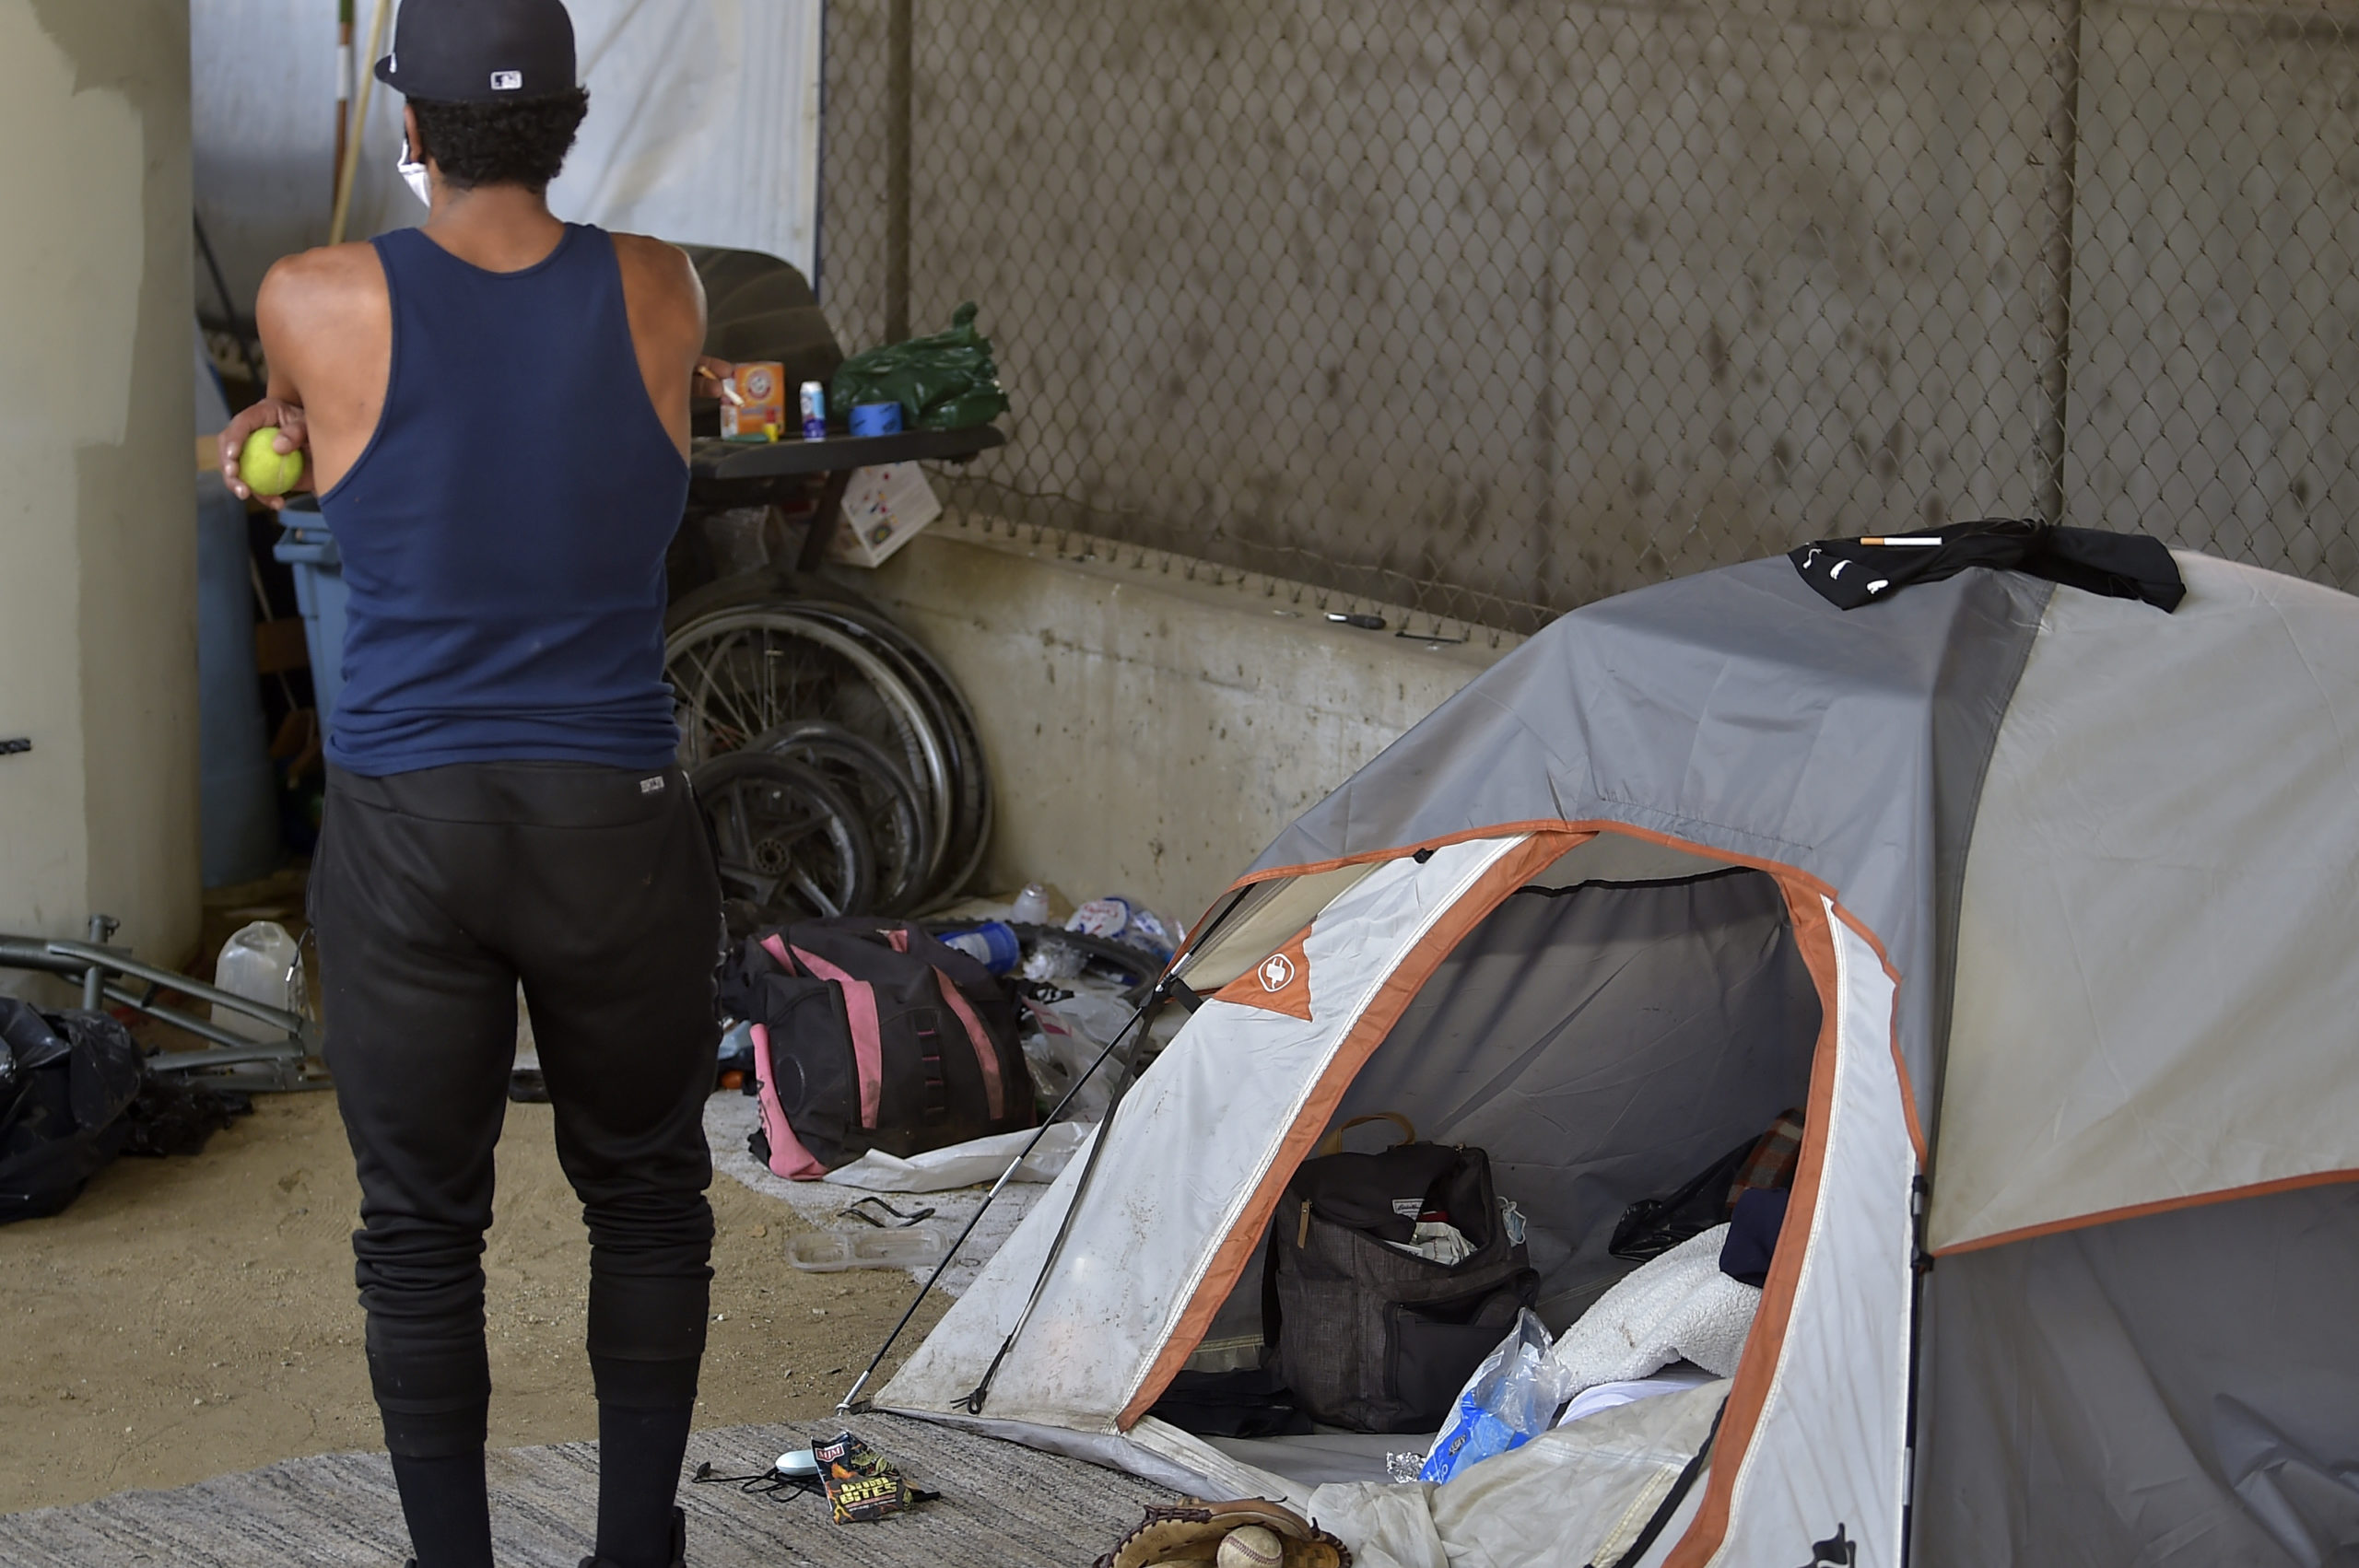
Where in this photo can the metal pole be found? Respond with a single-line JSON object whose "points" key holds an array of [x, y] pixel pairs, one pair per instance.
{"points": [[359, 126], [900, 32], [2061, 158], [343, 94]]}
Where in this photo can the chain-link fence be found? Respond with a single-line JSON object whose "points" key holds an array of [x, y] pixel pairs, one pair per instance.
{"points": [[1494, 308]]}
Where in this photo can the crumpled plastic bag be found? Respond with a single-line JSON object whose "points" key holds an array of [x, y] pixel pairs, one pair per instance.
{"points": [[1512, 1398], [942, 381], [1063, 1043]]}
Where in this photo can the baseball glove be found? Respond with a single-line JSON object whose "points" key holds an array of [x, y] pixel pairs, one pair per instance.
{"points": [[1193, 1531]]}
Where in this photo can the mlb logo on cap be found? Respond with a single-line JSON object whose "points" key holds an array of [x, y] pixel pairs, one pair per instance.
{"points": [[458, 51]]}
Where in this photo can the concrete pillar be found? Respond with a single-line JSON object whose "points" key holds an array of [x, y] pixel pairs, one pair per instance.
{"points": [[97, 542]]}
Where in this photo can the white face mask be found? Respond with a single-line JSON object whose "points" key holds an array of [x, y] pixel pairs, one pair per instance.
{"points": [[414, 175]]}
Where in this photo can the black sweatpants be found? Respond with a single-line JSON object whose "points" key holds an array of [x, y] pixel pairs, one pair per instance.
{"points": [[433, 893]]}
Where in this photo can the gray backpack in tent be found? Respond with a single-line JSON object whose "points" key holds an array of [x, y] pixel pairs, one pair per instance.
{"points": [[1369, 1334]]}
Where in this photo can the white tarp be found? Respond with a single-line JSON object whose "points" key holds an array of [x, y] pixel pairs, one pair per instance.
{"points": [[2156, 993], [703, 128]]}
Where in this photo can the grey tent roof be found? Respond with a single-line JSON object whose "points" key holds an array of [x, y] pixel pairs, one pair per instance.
{"points": [[1739, 711]]}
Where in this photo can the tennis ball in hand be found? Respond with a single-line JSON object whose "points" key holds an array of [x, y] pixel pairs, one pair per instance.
{"points": [[266, 470]]}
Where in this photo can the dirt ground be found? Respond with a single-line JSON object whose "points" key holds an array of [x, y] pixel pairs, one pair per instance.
{"points": [[190, 1317]]}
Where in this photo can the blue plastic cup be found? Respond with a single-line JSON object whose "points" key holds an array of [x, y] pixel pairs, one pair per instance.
{"points": [[876, 419], [992, 944]]}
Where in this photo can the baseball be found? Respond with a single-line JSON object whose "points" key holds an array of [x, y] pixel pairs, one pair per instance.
{"points": [[1252, 1546]]}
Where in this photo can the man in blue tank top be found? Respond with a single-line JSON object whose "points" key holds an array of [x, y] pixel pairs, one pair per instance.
{"points": [[495, 413]]}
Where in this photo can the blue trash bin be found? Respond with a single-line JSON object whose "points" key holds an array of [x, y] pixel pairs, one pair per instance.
{"points": [[320, 593]]}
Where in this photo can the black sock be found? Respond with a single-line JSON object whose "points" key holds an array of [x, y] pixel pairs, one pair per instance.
{"points": [[638, 1478], [448, 1509]]}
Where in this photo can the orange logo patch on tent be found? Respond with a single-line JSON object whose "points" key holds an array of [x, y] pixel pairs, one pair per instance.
{"points": [[1279, 983]]}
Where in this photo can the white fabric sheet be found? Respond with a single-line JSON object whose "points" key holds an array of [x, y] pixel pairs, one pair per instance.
{"points": [[971, 1163], [1608, 1395]]}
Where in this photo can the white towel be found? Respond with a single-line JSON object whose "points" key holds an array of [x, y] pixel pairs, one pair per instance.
{"points": [[1674, 1305]]}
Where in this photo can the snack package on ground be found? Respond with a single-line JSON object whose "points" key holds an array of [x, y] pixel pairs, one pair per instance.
{"points": [[862, 1484], [1512, 1398], [1116, 919]]}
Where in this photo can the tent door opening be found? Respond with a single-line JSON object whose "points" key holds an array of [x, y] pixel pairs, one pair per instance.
{"points": [[1602, 1036]]}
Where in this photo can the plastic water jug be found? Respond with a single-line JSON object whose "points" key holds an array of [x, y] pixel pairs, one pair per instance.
{"points": [[262, 962]]}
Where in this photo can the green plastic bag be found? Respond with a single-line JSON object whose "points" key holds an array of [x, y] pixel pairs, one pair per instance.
{"points": [[946, 381]]}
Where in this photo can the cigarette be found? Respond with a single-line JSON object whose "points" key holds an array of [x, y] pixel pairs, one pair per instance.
{"points": [[1922, 541], [727, 385]]}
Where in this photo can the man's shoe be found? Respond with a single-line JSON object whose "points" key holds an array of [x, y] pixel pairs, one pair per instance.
{"points": [[679, 1558]]}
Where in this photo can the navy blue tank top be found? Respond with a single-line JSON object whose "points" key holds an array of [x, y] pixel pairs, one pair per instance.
{"points": [[503, 533]]}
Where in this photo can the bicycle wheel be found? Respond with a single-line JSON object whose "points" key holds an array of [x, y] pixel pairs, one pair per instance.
{"points": [[971, 828], [899, 830], [770, 585], [785, 839], [740, 672]]}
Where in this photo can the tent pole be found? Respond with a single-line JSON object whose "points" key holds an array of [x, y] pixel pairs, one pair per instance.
{"points": [[852, 1403]]}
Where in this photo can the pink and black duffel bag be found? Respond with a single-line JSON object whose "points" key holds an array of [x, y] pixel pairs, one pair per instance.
{"points": [[868, 1034]]}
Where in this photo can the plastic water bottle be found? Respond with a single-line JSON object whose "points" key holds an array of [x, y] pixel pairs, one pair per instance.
{"points": [[261, 963], [1031, 906], [992, 944]]}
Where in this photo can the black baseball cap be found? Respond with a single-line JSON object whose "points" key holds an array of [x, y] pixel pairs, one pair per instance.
{"points": [[480, 50]]}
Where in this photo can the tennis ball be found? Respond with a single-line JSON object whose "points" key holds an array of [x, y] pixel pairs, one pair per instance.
{"points": [[1252, 1546], [266, 470]]}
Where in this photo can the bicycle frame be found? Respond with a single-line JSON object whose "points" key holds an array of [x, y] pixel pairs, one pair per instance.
{"points": [[232, 1061]]}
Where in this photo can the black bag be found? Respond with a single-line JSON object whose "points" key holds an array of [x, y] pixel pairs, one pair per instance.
{"points": [[65, 1080], [1652, 1226], [871, 1034], [1372, 1338]]}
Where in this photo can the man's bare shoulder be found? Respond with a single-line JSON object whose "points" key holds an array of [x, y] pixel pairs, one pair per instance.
{"points": [[323, 287], [661, 273], [656, 257]]}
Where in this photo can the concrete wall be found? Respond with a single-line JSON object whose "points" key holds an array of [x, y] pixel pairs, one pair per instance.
{"points": [[1541, 303], [1149, 731], [98, 534], [2215, 317], [1499, 308]]}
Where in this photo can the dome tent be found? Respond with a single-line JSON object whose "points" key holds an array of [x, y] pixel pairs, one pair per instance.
{"points": [[2036, 901]]}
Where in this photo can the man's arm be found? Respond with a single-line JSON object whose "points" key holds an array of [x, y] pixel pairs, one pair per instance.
{"points": [[326, 324], [665, 300], [282, 401]]}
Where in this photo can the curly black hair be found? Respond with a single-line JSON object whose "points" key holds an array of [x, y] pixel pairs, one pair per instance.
{"points": [[513, 141]]}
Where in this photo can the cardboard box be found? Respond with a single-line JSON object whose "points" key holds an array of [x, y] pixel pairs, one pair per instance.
{"points": [[884, 510], [761, 386]]}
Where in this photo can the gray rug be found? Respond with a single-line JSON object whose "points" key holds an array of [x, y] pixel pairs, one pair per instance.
{"points": [[1001, 1505]]}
